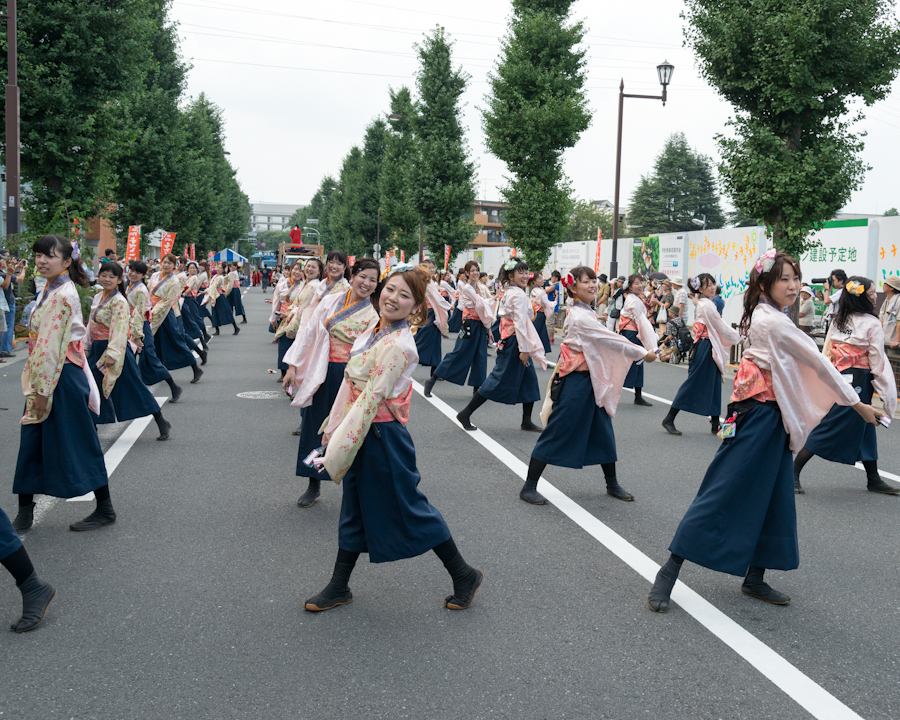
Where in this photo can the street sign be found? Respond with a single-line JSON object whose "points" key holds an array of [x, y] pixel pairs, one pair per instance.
{"points": [[376, 247], [376, 254], [252, 233], [312, 221]]}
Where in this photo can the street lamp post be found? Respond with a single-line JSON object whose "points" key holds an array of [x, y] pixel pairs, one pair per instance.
{"points": [[701, 223], [664, 71], [12, 199]]}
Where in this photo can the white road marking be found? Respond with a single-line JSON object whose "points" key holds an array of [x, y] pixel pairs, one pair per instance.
{"points": [[798, 686]]}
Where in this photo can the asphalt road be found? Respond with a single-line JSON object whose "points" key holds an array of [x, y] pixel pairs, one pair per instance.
{"points": [[190, 606]]}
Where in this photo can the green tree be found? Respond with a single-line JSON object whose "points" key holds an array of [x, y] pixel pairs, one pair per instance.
{"points": [[536, 110], [80, 64], [791, 68], [681, 186], [442, 188], [397, 174], [892, 213], [586, 219], [738, 219]]}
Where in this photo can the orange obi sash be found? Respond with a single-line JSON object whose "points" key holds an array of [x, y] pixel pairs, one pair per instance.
{"points": [[339, 351], [752, 382], [700, 332], [507, 327], [98, 331], [74, 353], [628, 324], [388, 409], [844, 356], [470, 314], [570, 361]]}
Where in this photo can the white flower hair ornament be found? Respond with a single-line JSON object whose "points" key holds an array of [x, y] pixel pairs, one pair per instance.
{"points": [[765, 263], [510, 264]]}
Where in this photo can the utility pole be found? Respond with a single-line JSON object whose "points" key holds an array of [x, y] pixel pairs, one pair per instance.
{"points": [[11, 201]]}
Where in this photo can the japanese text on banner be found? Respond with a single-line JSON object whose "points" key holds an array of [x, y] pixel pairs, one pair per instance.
{"points": [[133, 247]]}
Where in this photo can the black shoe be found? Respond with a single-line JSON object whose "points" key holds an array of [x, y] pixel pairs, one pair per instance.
{"points": [[204, 345], [308, 499], [642, 402], [6, 354], [103, 515], [207, 337], [217, 331], [529, 494], [617, 491], [328, 599], [798, 489], [464, 593], [531, 427], [244, 321], [670, 427], [755, 586], [198, 373], [202, 354], [466, 422], [164, 430], [176, 394], [660, 594], [236, 329], [25, 518], [298, 430], [36, 597], [429, 385], [880, 486], [714, 427]]}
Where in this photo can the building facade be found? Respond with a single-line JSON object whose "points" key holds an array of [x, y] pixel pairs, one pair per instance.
{"points": [[270, 216], [488, 216]]}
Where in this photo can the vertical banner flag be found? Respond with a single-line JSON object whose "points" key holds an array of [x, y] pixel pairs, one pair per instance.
{"points": [[352, 260], [403, 256], [210, 256], [446, 257], [167, 242], [133, 247], [513, 252], [185, 253], [387, 258], [597, 256], [193, 251]]}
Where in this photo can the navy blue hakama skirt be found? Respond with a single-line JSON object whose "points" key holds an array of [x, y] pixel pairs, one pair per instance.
{"points": [[540, 324], [383, 512], [635, 376], [284, 344], [511, 382], [171, 346], [843, 436], [9, 538], [495, 330], [454, 324], [190, 317], [152, 370], [203, 309], [428, 342], [469, 354], [744, 512], [221, 313], [129, 398], [578, 432], [314, 415], [237, 304], [701, 393], [61, 456]]}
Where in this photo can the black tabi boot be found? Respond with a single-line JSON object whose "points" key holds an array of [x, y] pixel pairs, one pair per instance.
{"points": [[103, 515], [465, 415], [639, 398], [217, 330], [798, 488], [36, 597], [25, 517], [669, 422], [527, 424], [337, 592], [803, 457], [714, 424], [612, 484], [198, 373], [429, 384], [874, 481], [164, 426], [175, 389], [244, 321], [206, 336], [661, 592], [312, 493], [755, 586], [236, 328], [529, 492], [203, 356], [466, 581]]}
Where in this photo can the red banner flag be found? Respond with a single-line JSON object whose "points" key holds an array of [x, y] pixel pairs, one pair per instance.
{"points": [[168, 242], [210, 256], [387, 258], [193, 251], [185, 253], [133, 247], [513, 252], [446, 257], [352, 260], [597, 256], [403, 256]]}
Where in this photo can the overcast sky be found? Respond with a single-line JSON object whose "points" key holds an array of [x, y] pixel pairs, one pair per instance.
{"points": [[298, 81]]}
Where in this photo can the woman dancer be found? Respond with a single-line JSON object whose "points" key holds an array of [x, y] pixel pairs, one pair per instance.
{"points": [[302, 284], [234, 295], [318, 356], [543, 309], [454, 324], [203, 302], [278, 293], [123, 395], [59, 451], [428, 335], [171, 348], [583, 394], [855, 345], [513, 379], [469, 357], [383, 513], [151, 369], [217, 292], [635, 326], [743, 519], [190, 307], [701, 393]]}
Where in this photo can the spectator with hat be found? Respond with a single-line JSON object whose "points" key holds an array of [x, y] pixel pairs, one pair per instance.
{"points": [[890, 309], [807, 310], [680, 294]]}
